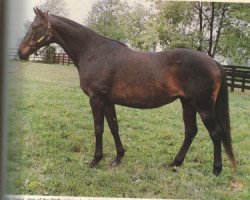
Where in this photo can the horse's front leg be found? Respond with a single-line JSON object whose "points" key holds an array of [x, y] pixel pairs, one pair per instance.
{"points": [[97, 106]]}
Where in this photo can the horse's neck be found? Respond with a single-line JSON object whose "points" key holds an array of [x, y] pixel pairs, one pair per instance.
{"points": [[76, 40]]}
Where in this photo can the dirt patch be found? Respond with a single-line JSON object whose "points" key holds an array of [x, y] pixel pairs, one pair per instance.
{"points": [[76, 149], [237, 185]]}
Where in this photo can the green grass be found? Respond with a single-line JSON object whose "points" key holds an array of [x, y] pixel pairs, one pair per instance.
{"points": [[51, 141]]}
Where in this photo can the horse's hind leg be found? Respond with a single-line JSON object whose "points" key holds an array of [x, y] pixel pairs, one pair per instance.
{"points": [[110, 115], [189, 118], [214, 129]]}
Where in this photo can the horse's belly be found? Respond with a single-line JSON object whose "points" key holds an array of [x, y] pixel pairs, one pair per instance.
{"points": [[144, 104], [142, 97]]}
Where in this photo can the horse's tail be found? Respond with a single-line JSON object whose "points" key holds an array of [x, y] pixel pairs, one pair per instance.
{"points": [[222, 114]]}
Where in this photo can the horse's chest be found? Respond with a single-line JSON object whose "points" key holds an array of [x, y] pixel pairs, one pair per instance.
{"points": [[84, 86], [98, 87], [95, 81]]}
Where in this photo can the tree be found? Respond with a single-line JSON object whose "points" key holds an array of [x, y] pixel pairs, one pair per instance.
{"points": [[235, 38], [172, 20], [219, 29], [107, 18], [205, 26], [54, 7], [115, 19], [49, 55], [140, 26]]}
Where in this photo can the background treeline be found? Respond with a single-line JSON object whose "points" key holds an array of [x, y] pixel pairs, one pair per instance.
{"points": [[220, 29]]}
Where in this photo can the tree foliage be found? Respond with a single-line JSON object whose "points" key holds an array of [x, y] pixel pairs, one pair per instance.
{"points": [[235, 40], [49, 54], [115, 19], [54, 7], [141, 28], [107, 18], [216, 28], [219, 29]]}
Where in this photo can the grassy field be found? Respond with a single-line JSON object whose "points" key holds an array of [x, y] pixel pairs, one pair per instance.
{"points": [[51, 141]]}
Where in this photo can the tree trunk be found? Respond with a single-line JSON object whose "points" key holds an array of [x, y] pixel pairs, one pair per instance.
{"points": [[211, 29], [219, 30], [200, 28]]}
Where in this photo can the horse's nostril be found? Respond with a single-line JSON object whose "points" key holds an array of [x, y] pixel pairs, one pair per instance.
{"points": [[21, 55]]}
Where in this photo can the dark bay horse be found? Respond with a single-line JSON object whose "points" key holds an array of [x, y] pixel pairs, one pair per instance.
{"points": [[111, 73]]}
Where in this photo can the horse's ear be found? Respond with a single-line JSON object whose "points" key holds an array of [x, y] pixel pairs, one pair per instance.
{"points": [[39, 13], [35, 11]]}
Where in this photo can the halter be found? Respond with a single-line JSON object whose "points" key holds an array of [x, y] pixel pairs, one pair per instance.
{"points": [[47, 35]]}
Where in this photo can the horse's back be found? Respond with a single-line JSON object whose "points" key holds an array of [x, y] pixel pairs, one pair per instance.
{"points": [[154, 79]]}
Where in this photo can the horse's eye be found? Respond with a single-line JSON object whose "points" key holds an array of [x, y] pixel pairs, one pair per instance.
{"points": [[33, 27]]}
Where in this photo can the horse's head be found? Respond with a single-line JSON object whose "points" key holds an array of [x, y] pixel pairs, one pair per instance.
{"points": [[38, 35]]}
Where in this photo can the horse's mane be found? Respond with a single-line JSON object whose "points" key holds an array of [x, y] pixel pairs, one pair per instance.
{"points": [[80, 27]]}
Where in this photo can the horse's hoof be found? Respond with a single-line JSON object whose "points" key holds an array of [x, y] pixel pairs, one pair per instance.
{"points": [[174, 169], [175, 163], [115, 163], [93, 163], [170, 167], [217, 170]]}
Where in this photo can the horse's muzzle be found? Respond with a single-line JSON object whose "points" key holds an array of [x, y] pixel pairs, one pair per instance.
{"points": [[23, 55]]}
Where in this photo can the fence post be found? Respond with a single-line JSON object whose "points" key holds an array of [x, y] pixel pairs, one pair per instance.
{"points": [[243, 84], [233, 77], [63, 59], [54, 57], [68, 60]]}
